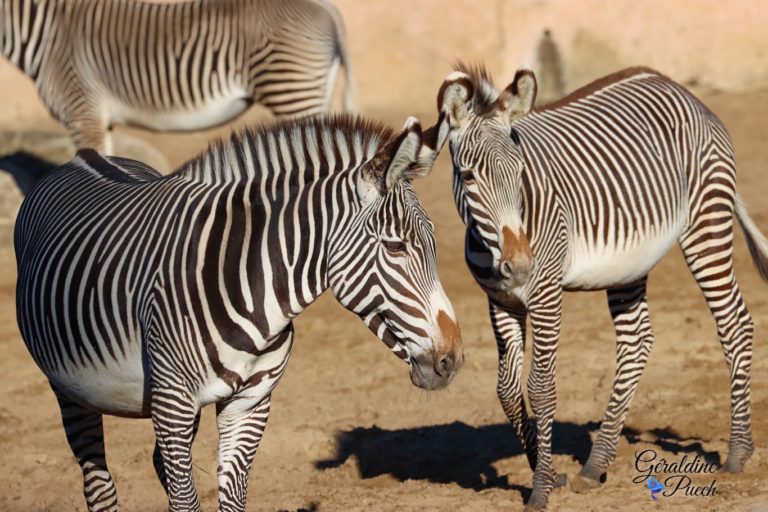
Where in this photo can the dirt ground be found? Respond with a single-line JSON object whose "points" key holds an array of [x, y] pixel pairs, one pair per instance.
{"points": [[348, 431]]}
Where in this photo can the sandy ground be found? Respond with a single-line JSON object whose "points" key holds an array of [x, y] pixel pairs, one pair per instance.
{"points": [[349, 432]]}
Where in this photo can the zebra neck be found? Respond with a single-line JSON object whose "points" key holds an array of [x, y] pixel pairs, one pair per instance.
{"points": [[270, 255]]}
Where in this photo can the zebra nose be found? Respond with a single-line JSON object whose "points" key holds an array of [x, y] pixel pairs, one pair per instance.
{"points": [[505, 268], [445, 366], [518, 270]]}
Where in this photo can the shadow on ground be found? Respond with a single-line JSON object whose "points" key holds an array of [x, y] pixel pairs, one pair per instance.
{"points": [[26, 169], [462, 454]]}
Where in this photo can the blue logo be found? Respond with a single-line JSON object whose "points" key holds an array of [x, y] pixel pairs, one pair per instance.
{"points": [[655, 487]]}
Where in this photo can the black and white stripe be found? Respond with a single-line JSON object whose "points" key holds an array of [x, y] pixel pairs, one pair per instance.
{"points": [[174, 66], [143, 295], [589, 193]]}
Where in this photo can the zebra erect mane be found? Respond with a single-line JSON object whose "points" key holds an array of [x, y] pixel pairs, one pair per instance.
{"points": [[482, 81], [313, 137]]}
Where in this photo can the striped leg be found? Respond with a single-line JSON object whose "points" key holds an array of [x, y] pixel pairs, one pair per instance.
{"points": [[173, 416], [509, 328], [708, 250], [545, 312], [91, 132], [85, 433], [241, 424], [634, 339], [157, 456]]}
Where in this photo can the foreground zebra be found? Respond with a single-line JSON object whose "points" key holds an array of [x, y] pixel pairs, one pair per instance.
{"points": [[142, 295], [174, 66], [589, 193]]}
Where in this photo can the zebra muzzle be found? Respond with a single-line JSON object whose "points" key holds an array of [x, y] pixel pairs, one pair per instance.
{"points": [[516, 260], [436, 368]]}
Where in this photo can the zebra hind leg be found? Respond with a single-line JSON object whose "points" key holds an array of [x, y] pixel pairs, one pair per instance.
{"points": [[157, 456], [634, 339], [85, 434], [708, 250], [241, 424]]}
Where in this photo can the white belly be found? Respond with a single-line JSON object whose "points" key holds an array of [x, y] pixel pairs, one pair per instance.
{"points": [[593, 267], [212, 113], [113, 389]]}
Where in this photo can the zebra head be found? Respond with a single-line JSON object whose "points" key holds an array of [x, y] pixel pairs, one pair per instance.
{"points": [[488, 164], [383, 266]]}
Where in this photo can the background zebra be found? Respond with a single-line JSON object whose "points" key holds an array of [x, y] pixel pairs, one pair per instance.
{"points": [[174, 66], [589, 193], [141, 295]]}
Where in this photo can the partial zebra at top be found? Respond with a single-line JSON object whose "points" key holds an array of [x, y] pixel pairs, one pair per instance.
{"points": [[180, 66]]}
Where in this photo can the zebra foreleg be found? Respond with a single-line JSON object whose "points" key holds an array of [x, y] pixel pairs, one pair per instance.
{"points": [[509, 328], [173, 416], [634, 340], [157, 456], [85, 434], [241, 424], [545, 311]]}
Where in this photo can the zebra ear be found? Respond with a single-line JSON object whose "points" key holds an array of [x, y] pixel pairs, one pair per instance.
{"points": [[434, 139], [455, 98], [404, 153], [392, 163], [517, 99]]}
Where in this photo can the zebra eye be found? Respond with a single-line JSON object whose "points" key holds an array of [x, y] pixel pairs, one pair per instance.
{"points": [[394, 246], [468, 177]]}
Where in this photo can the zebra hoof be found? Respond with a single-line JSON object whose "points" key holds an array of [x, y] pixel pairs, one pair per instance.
{"points": [[735, 462], [537, 501], [561, 480], [583, 483]]}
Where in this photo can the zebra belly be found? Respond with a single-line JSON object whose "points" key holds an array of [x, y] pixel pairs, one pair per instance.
{"points": [[211, 113], [116, 387], [596, 267]]}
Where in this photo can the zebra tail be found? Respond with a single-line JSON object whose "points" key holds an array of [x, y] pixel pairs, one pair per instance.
{"points": [[350, 90], [756, 241]]}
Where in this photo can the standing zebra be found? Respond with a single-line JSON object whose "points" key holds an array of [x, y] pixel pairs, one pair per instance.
{"points": [[141, 295], [180, 66], [589, 193]]}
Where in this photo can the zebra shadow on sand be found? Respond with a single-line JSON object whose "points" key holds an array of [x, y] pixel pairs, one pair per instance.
{"points": [[464, 455], [26, 169]]}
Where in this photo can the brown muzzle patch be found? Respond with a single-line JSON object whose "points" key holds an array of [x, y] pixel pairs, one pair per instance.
{"points": [[451, 337], [515, 246]]}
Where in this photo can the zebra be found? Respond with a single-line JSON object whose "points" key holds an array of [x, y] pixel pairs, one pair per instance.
{"points": [[175, 66], [589, 193], [143, 295]]}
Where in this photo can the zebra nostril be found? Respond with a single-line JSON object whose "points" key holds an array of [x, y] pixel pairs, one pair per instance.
{"points": [[505, 268], [445, 365]]}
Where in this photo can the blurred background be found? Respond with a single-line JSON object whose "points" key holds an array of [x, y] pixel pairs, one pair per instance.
{"points": [[348, 431]]}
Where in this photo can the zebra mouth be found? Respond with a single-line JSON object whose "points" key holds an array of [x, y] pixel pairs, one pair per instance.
{"points": [[417, 377], [432, 382]]}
